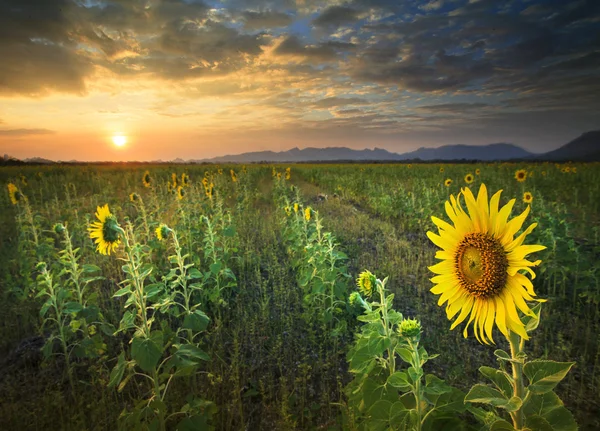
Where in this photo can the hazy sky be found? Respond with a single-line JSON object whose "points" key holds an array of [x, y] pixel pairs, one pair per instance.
{"points": [[196, 79]]}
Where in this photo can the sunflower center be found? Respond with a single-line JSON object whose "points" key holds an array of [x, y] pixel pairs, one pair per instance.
{"points": [[481, 264], [110, 231]]}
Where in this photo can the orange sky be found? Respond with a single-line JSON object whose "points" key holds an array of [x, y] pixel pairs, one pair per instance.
{"points": [[196, 79]]}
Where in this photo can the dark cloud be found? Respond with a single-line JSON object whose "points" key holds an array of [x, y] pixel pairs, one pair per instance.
{"points": [[453, 107], [265, 20], [25, 132], [325, 51], [336, 16]]}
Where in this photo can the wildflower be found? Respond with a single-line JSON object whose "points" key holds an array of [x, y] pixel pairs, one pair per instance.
{"points": [[106, 231], [469, 178], [146, 179], [527, 197], [481, 263], [180, 192], [521, 175], [307, 214], [163, 231], [366, 281], [14, 193]]}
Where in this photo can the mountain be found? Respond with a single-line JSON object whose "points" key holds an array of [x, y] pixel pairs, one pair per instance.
{"points": [[470, 152], [307, 155], [448, 152], [584, 148]]}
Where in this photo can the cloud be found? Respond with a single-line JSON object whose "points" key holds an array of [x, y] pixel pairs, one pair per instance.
{"points": [[25, 132], [326, 51], [336, 16], [265, 20], [332, 102]]}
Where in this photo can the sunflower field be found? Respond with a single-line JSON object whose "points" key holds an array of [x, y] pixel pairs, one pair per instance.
{"points": [[309, 296]]}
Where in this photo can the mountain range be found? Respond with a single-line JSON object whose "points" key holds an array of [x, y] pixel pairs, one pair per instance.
{"points": [[584, 148]]}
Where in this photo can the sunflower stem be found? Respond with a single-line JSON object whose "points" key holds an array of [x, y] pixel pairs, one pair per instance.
{"points": [[516, 347]]}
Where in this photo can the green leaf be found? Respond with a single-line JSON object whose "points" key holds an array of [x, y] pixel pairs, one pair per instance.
{"points": [[121, 292], [191, 352], [532, 322], [545, 375], [215, 268], [89, 268], [501, 354], [486, 395], [117, 372], [399, 380], [538, 423], [380, 411], [501, 425], [147, 351], [152, 290], [435, 385], [402, 419], [197, 321], [194, 273], [551, 408], [72, 307], [405, 354], [499, 378]]}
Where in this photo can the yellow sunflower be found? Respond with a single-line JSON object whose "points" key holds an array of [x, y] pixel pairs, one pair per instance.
{"points": [[366, 282], [174, 180], [296, 207], [146, 180], [441, 170], [477, 171], [448, 182], [469, 178], [527, 197], [307, 214], [288, 211], [162, 231], [185, 180], [288, 173], [482, 262], [521, 175], [180, 192], [106, 231], [134, 197], [14, 193], [233, 175]]}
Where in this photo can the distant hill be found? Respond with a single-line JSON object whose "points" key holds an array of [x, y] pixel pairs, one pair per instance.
{"points": [[470, 152], [448, 152], [584, 148]]}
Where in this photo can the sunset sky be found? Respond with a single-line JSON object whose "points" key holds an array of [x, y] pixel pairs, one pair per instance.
{"points": [[197, 79]]}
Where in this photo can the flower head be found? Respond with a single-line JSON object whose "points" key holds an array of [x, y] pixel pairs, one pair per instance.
{"points": [[106, 231], [162, 231], [480, 272], [180, 192], [233, 175], [366, 281], [448, 182], [307, 214], [146, 179], [521, 175], [527, 197], [185, 180], [174, 180], [477, 171], [296, 207], [14, 193], [288, 173], [134, 197], [442, 170], [409, 328], [288, 211], [469, 178]]}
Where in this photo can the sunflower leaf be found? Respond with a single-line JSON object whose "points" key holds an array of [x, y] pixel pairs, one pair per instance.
{"points": [[545, 375], [493, 397]]}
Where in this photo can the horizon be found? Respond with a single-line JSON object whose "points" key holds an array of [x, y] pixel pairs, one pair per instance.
{"points": [[152, 80]]}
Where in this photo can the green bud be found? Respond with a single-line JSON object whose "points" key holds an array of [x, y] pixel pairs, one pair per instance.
{"points": [[409, 328]]}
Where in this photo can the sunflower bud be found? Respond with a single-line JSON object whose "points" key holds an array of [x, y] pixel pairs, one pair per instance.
{"points": [[366, 281], [163, 231], [59, 228], [410, 328]]}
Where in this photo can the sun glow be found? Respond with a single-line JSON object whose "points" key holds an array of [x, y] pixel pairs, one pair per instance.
{"points": [[119, 140]]}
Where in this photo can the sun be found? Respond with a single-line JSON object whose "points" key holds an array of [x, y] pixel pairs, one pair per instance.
{"points": [[119, 140]]}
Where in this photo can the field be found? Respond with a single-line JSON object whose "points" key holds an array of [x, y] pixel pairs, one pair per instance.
{"points": [[236, 313]]}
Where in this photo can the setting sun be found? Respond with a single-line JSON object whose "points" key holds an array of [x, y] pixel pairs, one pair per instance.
{"points": [[119, 140]]}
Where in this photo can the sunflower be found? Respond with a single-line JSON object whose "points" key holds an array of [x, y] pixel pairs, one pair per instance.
{"points": [[574, 170], [567, 169], [146, 180], [469, 178], [448, 182], [185, 179], [14, 193], [441, 170], [477, 171], [162, 231], [134, 197], [481, 263], [307, 214], [527, 197], [174, 180], [521, 175], [288, 173], [409, 165], [366, 282], [233, 175], [23, 180], [296, 207], [106, 231], [288, 211], [180, 192]]}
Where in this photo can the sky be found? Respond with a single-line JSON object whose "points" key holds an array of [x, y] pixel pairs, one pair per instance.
{"points": [[195, 79]]}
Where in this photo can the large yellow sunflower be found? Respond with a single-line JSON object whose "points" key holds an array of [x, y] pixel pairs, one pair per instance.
{"points": [[106, 231], [482, 262]]}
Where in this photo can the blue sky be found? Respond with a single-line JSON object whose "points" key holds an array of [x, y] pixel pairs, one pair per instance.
{"points": [[175, 76]]}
